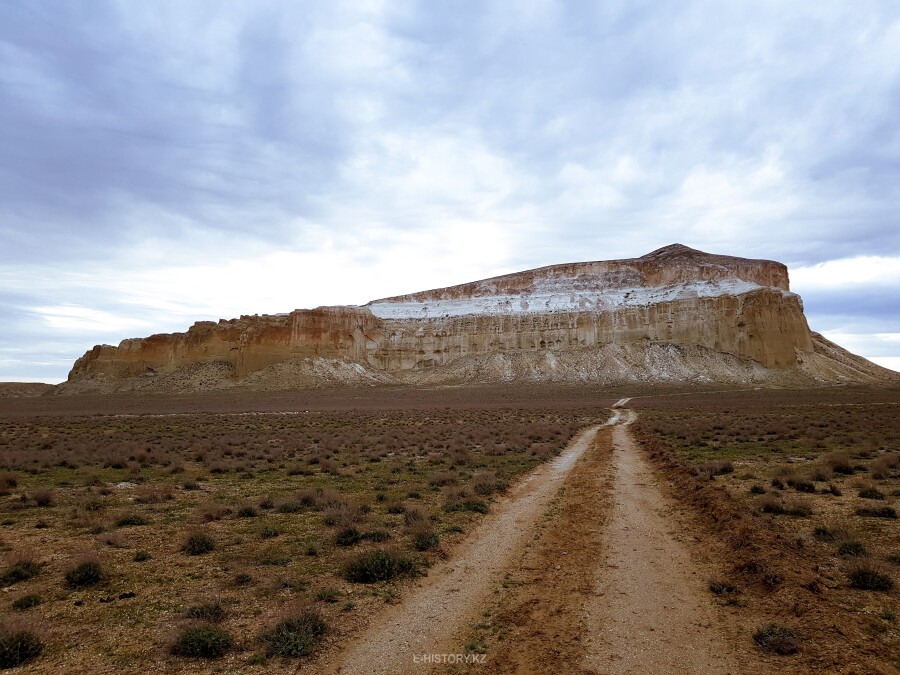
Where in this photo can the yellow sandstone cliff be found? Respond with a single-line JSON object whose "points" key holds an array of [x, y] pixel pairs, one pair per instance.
{"points": [[677, 296]]}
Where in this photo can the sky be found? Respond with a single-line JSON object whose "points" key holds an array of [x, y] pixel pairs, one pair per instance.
{"points": [[167, 162]]}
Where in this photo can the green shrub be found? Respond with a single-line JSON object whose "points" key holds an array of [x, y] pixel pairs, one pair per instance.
{"points": [[777, 639], [852, 548], [21, 570], [87, 572], [348, 536], [877, 512], [207, 642], [247, 512], [870, 492], [198, 544], [26, 602], [823, 533], [131, 520], [424, 536], [329, 595], [867, 576], [380, 565], [269, 532], [18, 646], [296, 636]]}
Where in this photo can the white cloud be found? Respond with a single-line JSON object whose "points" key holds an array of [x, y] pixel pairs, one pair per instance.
{"points": [[858, 271]]}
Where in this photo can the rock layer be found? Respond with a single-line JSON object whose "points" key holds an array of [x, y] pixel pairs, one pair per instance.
{"points": [[673, 296]]}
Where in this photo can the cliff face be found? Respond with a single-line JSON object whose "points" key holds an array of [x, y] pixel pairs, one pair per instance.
{"points": [[675, 295]]}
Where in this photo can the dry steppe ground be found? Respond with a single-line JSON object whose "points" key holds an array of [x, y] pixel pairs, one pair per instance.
{"points": [[266, 531]]}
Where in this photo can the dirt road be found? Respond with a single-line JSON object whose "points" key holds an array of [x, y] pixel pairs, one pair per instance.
{"points": [[427, 620], [650, 611], [599, 582]]}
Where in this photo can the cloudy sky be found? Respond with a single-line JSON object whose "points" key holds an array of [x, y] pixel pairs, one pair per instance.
{"points": [[166, 162]]}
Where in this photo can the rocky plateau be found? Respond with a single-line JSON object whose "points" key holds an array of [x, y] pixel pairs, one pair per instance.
{"points": [[676, 314]]}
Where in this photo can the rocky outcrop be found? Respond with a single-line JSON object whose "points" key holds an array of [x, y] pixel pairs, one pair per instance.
{"points": [[673, 298]]}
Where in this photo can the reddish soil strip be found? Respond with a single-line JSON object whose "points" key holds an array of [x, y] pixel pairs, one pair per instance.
{"points": [[650, 611], [448, 599]]}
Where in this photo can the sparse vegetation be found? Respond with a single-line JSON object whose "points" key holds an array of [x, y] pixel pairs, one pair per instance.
{"points": [[777, 639], [86, 571], [26, 602], [199, 543], [213, 611], [18, 645], [296, 635], [378, 565], [867, 575], [203, 641]]}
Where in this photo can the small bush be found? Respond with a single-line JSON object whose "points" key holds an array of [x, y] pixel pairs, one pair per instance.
{"points": [[207, 642], [868, 576], [247, 511], [424, 536], [26, 602], [329, 595], [376, 535], [213, 612], [349, 536], [199, 544], [802, 485], [851, 548], [43, 497], [18, 646], [825, 533], [22, 567], [8, 481], [778, 639], [485, 483], [269, 532], [131, 520], [870, 492], [797, 508], [380, 565], [885, 465], [771, 504], [877, 512], [297, 635], [718, 468], [721, 587], [442, 479], [757, 490], [839, 462], [86, 572], [414, 514], [141, 556]]}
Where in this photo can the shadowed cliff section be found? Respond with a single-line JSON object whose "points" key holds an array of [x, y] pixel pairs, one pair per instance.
{"points": [[675, 314]]}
